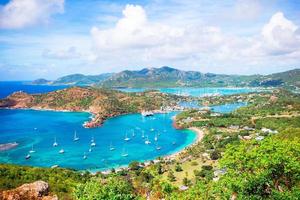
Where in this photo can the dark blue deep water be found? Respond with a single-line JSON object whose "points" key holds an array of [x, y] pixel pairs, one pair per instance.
{"points": [[8, 87]]}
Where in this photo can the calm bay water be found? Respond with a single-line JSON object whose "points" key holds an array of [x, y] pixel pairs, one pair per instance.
{"points": [[37, 130], [196, 92]]}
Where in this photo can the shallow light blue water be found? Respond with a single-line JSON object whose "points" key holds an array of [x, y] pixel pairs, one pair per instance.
{"points": [[19, 126], [227, 108], [196, 92]]}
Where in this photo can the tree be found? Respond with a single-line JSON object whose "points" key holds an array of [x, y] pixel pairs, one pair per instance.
{"points": [[112, 188], [178, 168], [260, 170], [171, 176]]}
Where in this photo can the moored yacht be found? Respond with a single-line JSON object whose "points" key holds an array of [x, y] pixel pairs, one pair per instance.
{"points": [[84, 156], [111, 148], [28, 156], [55, 144], [93, 143], [147, 141], [62, 151], [32, 151], [124, 153], [143, 134], [147, 113], [76, 138], [126, 138]]}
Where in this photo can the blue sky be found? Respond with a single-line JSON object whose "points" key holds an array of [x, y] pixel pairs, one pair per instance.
{"points": [[52, 38]]}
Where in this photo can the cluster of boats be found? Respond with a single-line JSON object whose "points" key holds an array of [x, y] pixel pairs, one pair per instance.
{"points": [[111, 148]]}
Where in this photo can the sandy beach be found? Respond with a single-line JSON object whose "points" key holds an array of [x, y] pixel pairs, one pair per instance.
{"points": [[200, 134]]}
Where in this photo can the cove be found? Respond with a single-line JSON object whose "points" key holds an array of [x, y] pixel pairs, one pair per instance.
{"points": [[196, 92], [37, 129]]}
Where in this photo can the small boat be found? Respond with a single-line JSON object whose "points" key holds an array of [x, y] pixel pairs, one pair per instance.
{"points": [[124, 153], [152, 129], [133, 133], [35, 128], [147, 113], [32, 151], [111, 148], [147, 141], [158, 148], [93, 143], [155, 138], [55, 144], [174, 143], [54, 166], [143, 134], [28, 156], [90, 149], [75, 137], [84, 156], [126, 138], [62, 151]]}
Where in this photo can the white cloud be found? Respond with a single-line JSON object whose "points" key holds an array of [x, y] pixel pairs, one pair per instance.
{"points": [[281, 35], [135, 40], [22, 13], [135, 33], [70, 53]]}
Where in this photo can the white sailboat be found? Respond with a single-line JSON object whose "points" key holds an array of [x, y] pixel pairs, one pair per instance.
{"points": [[155, 138], [126, 138], [143, 134], [55, 144], [147, 141], [28, 156], [158, 147], [90, 149], [93, 143], [152, 129], [76, 138], [62, 151], [111, 148], [124, 153], [84, 156], [32, 151]]}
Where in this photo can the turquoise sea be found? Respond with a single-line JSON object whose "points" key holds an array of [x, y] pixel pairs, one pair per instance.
{"points": [[37, 130], [196, 92]]}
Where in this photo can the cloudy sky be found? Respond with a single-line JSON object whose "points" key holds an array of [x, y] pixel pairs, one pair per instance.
{"points": [[51, 38]]}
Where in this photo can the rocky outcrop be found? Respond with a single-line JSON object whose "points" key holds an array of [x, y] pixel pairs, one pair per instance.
{"points": [[38, 190], [17, 100]]}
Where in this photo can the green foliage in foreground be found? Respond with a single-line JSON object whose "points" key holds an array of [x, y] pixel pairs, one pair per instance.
{"points": [[266, 170], [254, 170], [112, 188], [61, 181]]}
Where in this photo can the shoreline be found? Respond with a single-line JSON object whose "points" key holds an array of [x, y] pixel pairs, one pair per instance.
{"points": [[199, 136]]}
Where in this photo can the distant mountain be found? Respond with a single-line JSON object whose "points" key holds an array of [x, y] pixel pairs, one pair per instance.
{"points": [[76, 79], [170, 77], [40, 81]]}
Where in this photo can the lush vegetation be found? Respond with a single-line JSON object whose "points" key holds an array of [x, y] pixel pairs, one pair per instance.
{"points": [[62, 181], [252, 153]]}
